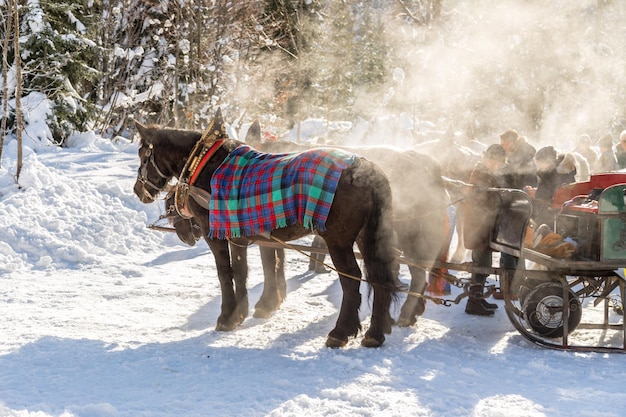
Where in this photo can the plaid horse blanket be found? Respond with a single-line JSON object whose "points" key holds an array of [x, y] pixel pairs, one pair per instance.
{"points": [[254, 192]]}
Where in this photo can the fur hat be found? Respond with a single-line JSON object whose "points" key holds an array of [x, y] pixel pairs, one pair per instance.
{"points": [[495, 152], [509, 136], [567, 164], [547, 153], [606, 141], [550, 243]]}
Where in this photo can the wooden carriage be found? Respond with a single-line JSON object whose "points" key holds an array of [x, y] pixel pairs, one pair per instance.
{"points": [[592, 216]]}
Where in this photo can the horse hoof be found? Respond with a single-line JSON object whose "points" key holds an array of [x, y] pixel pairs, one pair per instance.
{"points": [[372, 342], [265, 308], [262, 313], [335, 343], [228, 325], [223, 328], [406, 322]]}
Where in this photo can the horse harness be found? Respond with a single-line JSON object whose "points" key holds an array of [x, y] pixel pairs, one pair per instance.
{"points": [[211, 141], [143, 169]]}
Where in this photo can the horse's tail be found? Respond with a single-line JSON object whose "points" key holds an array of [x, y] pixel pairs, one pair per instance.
{"points": [[377, 237]]}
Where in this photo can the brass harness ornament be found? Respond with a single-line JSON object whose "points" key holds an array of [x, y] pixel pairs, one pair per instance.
{"points": [[210, 142]]}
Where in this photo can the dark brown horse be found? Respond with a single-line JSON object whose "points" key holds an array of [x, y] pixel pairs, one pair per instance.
{"points": [[419, 209], [360, 212]]}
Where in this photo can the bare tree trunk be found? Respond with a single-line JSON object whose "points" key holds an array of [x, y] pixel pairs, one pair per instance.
{"points": [[18, 89], [5, 64], [177, 54]]}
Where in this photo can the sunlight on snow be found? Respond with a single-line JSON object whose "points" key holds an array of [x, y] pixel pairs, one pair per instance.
{"points": [[429, 330], [507, 406]]}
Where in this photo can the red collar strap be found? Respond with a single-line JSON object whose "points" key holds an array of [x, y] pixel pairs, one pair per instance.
{"points": [[196, 168], [196, 161]]}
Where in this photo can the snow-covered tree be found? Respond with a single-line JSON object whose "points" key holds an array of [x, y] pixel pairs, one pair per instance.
{"points": [[57, 60], [171, 62]]}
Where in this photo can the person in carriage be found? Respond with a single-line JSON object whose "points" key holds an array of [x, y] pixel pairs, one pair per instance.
{"points": [[521, 167], [607, 161], [583, 147], [520, 171], [480, 212], [553, 170]]}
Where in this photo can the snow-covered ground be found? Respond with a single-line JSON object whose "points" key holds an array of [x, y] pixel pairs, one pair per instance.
{"points": [[101, 317]]}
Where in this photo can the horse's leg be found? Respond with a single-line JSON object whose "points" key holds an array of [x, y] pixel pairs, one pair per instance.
{"points": [[424, 240], [460, 252], [381, 321], [413, 306], [316, 262], [239, 261], [280, 273], [380, 275], [348, 323], [229, 317], [274, 284]]}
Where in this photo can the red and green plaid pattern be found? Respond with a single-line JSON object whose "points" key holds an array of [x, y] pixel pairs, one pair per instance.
{"points": [[254, 192]]}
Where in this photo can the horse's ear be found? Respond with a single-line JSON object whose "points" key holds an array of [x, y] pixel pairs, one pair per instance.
{"points": [[253, 136], [219, 127], [142, 129]]}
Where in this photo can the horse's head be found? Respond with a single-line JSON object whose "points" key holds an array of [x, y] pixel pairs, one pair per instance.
{"points": [[164, 152], [152, 175]]}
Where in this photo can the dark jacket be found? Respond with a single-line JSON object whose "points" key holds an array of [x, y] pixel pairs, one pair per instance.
{"points": [[607, 162], [480, 208], [547, 183]]}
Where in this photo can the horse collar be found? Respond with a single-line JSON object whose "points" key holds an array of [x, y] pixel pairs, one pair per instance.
{"points": [[196, 161]]}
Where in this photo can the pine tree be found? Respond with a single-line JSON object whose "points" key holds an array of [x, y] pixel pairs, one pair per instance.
{"points": [[57, 61], [171, 62]]}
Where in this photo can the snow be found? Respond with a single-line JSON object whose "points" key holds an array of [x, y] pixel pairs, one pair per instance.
{"points": [[102, 317]]}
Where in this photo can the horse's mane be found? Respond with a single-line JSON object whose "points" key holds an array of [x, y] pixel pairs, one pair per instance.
{"points": [[171, 137]]}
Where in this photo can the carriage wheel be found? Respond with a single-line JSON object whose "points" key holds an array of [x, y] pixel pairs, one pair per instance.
{"points": [[543, 309], [523, 285]]}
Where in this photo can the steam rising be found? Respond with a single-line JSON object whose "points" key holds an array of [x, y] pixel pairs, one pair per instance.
{"points": [[551, 70]]}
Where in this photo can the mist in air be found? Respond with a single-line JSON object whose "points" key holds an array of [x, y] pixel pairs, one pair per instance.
{"points": [[551, 70]]}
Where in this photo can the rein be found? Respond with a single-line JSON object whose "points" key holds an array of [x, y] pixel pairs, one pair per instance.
{"points": [[436, 300]]}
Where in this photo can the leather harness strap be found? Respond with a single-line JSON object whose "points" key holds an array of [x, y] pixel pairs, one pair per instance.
{"points": [[211, 140], [185, 188], [197, 167]]}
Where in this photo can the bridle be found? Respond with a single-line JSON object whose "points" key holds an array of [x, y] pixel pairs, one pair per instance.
{"points": [[142, 172]]}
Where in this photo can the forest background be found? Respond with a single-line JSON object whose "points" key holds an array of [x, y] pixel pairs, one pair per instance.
{"points": [[549, 69]]}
